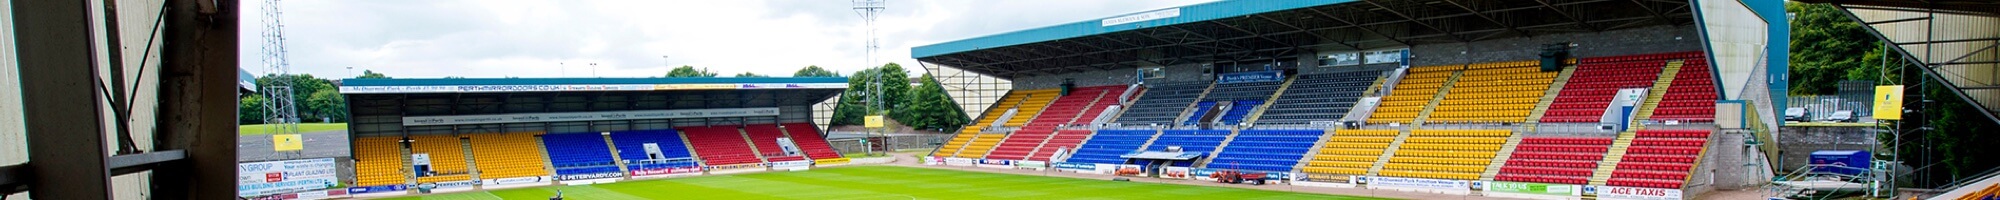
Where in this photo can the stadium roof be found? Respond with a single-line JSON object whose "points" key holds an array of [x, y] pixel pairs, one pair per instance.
{"points": [[490, 85], [578, 81], [1239, 30], [1967, 7], [245, 82]]}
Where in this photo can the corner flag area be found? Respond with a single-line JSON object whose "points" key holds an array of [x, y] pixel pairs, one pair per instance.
{"points": [[881, 182]]}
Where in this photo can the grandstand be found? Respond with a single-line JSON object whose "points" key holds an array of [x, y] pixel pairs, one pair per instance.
{"points": [[1316, 93], [527, 132], [1381, 95], [1318, 97]]}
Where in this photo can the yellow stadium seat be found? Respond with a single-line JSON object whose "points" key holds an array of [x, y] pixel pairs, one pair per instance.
{"points": [[508, 155], [378, 161]]}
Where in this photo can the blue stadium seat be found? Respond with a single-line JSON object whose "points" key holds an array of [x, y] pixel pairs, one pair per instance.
{"points": [[632, 148], [578, 153], [1199, 109], [1239, 110], [1107, 145], [1266, 150], [1199, 141]]}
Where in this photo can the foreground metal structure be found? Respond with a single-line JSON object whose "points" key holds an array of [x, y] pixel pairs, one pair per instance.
{"points": [[190, 155], [1948, 43]]}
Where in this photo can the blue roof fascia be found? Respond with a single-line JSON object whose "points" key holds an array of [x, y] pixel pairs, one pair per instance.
{"points": [[1188, 14]]}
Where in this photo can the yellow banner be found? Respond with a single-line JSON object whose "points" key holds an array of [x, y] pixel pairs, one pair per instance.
{"points": [[1889, 102], [287, 142], [872, 121], [832, 161]]}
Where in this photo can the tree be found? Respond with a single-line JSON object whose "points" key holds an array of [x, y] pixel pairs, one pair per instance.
{"points": [[328, 104], [1828, 47], [370, 74], [250, 110], [303, 86], [749, 75], [849, 111], [814, 71], [689, 71], [930, 107], [857, 102]]}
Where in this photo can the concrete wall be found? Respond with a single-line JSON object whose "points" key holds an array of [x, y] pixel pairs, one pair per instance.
{"points": [[1796, 143], [1655, 39]]}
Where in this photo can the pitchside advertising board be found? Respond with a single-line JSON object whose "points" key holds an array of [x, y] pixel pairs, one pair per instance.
{"points": [[579, 88], [531, 180], [666, 171], [568, 177], [797, 165], [1637, 193], [1534, 188], [275, 177], [1030, 164], [1419, 183], [959, 161], [588, 116], [377, 189]]}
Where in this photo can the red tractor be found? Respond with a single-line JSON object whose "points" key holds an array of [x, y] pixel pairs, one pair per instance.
{"points": [[1233, 176]]}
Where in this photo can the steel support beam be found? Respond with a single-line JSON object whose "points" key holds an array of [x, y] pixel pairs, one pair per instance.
{"points": [[1566, 15], [58, 68], [1489, 19], [1414, 20], [197, 100]]}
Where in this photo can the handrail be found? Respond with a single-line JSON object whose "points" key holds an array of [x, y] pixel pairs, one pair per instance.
{"points": [[1954, 185]]}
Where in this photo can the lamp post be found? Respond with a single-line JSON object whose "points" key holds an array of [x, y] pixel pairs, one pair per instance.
{"points": [[593, 69]]}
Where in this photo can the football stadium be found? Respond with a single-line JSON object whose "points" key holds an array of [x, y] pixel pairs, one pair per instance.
{"points": [[1487, 99], [1230, 99]]}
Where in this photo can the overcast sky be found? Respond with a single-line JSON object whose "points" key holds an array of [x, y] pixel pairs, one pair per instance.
{"points": [[549, 38]]}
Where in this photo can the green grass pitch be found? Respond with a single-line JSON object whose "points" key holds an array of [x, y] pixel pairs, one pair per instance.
{"points": [[881, 182]]}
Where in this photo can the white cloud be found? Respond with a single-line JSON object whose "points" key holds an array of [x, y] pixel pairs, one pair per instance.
{"points": [[529, 38]]}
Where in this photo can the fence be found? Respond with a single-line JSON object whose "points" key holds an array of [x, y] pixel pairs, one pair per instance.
{"points": [[895, 141], [1819, 107]]}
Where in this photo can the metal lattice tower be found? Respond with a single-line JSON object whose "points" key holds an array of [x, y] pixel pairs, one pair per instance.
{"points": [[870, 10], [279, 112]]}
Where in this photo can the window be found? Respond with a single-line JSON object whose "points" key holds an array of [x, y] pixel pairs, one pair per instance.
{"points": [[1385, 56], [1153, 72], [1340, 59]]}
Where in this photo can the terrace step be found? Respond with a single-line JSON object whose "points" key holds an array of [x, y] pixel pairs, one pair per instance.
{"points": [[1390, 151], [1555, 88], [1611, 157], [1500, 157], [1444, 88]]}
